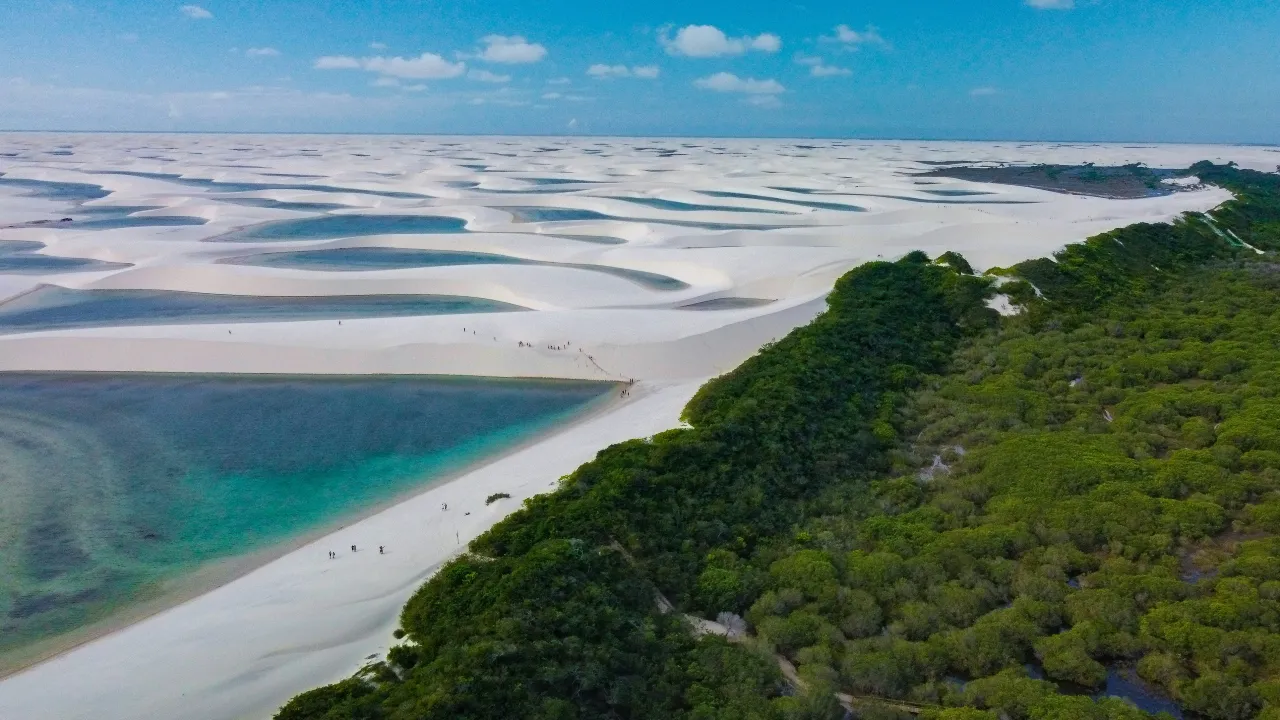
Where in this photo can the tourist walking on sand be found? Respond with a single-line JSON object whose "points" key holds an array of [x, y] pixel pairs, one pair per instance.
{"points": [[381, 551], [353, 548]]}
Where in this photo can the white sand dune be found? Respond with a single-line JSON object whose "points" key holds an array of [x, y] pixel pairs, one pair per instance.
{"points": [[302, 620]]}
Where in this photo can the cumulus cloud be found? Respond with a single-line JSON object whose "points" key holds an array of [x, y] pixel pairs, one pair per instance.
{"points": [[195, 12], [486, 76], [704, 41], [29, 104], [818, 67], [602, 71], [851, 38], [337, 62], [511, 50], [427, 66], [1052, 4], [262, 52], [730, 83]]}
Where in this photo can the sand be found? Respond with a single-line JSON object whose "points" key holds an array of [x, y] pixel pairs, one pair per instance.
{"points": [[302, 620]]}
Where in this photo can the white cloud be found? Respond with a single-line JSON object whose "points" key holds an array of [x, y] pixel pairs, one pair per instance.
{"points": [[337, 62], [1052, 4], [27, 104], [829, 71], [512, 50], [386, 82], [986, 91], [559, 81], [377, 46], [427, 66], [413, 88], [730, 83], [851, 38], [764, 101], [262, 52], [767, 42], [573, 123], [552, 96], [486, 76], [195, 12], [601, 71], [704, 41], [819, 68]]}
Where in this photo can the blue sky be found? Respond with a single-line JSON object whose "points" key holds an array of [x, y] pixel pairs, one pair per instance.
{"points": [[1149, 70]]}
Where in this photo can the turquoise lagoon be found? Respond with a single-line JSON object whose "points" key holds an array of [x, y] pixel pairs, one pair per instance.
{"points": [[384, 258], [52, 307], [114, 486]]}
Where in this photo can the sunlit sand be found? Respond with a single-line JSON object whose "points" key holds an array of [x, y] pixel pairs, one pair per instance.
{"points": [[805, 214]]}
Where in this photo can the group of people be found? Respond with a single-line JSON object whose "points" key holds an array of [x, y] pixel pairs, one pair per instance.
{"points": [[382, 550], [563, 347]]}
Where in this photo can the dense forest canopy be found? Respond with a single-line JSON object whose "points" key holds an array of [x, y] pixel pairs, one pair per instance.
{"points": [[922, 507]]}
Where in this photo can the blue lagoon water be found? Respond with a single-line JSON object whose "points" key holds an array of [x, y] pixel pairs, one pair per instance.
{"points": [[800, 203], [381, 258], [131, 221], [234, 187], [18, 257], [660, 204], [270, 204], [548, 214], [330, 227], [52, 307], [49, 190], [728, 303], [112, 485]]}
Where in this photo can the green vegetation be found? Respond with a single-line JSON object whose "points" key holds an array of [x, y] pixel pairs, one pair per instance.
{"points": [[912, 499], [496, 497]]}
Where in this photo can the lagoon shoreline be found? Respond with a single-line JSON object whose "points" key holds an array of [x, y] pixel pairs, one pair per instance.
{"points": [[297, 619], [186, 586]]}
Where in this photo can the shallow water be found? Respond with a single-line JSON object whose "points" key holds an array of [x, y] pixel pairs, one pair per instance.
{"points": [[270, 204], [111, 485], [545, 214], [660, 204], [551, 214], [329, 227], [728, 303], [231, 187], [380, 258], [49, 190], [801, 203], [956, 193], [1122, 682], [20, 257], [130, 221], [52, 307]]}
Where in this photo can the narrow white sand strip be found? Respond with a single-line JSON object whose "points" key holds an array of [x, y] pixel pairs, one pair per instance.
{"points": [[303, 620]]}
